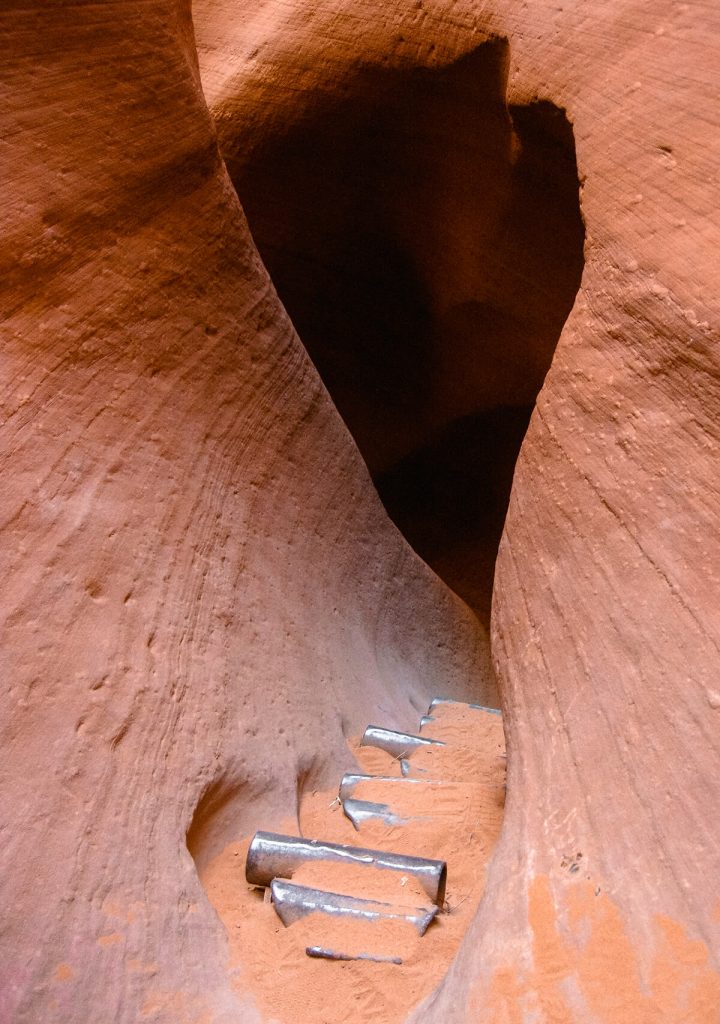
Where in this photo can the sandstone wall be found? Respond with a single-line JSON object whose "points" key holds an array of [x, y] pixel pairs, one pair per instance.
{"points": [[606, 592], [201, 593]]}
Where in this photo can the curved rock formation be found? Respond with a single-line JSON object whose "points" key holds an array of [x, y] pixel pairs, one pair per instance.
{"points": [[426, 239], [604, 622], [202, 594]]}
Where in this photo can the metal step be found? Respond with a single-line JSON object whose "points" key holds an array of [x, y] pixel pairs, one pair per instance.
{"points": [[273, 856], [319, 953], [397, 744], [392, 812], [394, 783], [438, 703], [394, 787], [293, 902], [359, 811]]}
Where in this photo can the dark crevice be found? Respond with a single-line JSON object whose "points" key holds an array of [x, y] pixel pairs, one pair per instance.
{"points": [[428, 243], [449, 498]]}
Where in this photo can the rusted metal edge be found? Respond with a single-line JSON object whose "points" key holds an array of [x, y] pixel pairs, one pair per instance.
{"points": [[330, 954], [277, 856], [397, 744], [293, 902]]}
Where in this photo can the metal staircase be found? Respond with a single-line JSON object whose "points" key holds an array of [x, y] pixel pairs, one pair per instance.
{"points": [[401, 806]]}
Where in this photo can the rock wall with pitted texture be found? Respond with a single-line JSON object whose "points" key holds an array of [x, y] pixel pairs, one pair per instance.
{"points": [[603, 902], [202, 594]]}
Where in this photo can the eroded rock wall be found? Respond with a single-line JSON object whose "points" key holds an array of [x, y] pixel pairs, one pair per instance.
{"points": [[425, 236], [202, 595], [604, 901]]}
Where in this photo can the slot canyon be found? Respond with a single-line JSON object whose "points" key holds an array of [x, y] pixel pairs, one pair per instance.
{"points": [[360, 370]]}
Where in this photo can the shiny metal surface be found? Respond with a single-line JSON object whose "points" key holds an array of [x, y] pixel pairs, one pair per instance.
{"points": [[440, 701], [330, 954], [397, 744], [293, 902], [277, 856], [359, 811], [350, 780]]}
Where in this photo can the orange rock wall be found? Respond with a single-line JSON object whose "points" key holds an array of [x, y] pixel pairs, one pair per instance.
{"points": [[201, 592], [604, 609]]}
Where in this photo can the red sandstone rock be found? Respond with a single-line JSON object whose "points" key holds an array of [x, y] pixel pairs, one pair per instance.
{"points": [[194, 560], [425, 236], [604, 606], [201, 592]]}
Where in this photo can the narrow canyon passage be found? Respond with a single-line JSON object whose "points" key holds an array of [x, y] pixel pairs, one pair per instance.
{"points": [[427, 242], [205, 602]]}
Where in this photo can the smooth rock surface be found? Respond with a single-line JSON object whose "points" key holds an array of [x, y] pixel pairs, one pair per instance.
{"points": [[202, 595], [605, 621], [424, 233]]}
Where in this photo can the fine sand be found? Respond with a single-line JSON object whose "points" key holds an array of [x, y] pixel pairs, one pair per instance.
{"points": [[457, 821]]}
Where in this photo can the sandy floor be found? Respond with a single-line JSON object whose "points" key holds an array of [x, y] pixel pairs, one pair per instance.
{"points": [[458, 821]]}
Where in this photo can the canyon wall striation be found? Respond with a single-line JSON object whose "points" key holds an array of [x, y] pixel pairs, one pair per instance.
{"points": [[203, 596]]}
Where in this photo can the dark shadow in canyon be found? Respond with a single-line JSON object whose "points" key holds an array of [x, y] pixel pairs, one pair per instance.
{"points": [[427, 242]]}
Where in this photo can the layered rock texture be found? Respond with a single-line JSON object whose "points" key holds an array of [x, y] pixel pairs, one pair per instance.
{"points": [[426, 239], [202, 593]]}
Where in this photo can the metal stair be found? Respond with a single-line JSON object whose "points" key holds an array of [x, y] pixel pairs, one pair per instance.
{"points": [[406, 796]]}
